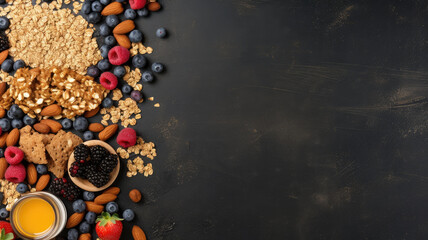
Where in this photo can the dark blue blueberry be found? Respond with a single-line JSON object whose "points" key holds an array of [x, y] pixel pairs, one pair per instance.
{"points": [[157, 67], [17, 123], [16, 112], [93, 71], [22, 188], [84, 227], [96, 6], [126, 89], [94, 17], [1, 154], [161, 32], [2, 1], [80, 124], [136, 95], [9, 114], [119, 71], [147, 76], [139, 61], [41, 169], [104, 2], [86, 8], [18, 64], [4, 23], [136, 36], [128, 215], [110, 41], [130, 14], [5, 124], [88, 196], [7, 65], [112, 20], [72, 234], [104, 30], [112, 207], [79, 206], [4, 213], [29, 120], [104, 51], [66, 123], [88, 135], [107, 102], [144, 12], [90, 217], [103, 65]]}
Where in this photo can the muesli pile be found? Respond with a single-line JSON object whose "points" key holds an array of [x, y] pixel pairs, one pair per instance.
{"points": [[62, 64]]}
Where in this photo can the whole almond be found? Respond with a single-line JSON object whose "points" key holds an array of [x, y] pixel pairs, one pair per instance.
{"points": [[138, 233], [108, 132], [53, 125], [43, 182], [124, 27], [123, 40], [113, 8], [51, 110], [154, 6], [135, 195], [3, 167], [104, 198], [85, 236], [91, 113], [13, 137], [3, 138], [112, 190], [2, 112], [3, 87], [3, 55], [31, 174], [93, 207], [75, 219], [42, 128], [96, 127]]}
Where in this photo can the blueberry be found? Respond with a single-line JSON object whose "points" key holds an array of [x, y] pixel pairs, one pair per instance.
{"points": [[4, 23], [88, 135], [41, 169], [157, 67], [66, 123], [107, 102], [104, 51], [93, 71], [18, 64], [4, 213], [120, 1], [143, 12], [96, 6], [119, 71], [130, 14], [84, 227], [139, 61], [128, 215], [22, 188], [104, 2], [136, 95], [86, 8], [147, 76], [112, 207], [104, 30], [88, 196], [29, 120], [136, 36], [79, 206], [126, 89], [94, 17], [161, 32], [112, 20], [72, 234], [90, 217], [1, 154], [80, 124], [16, 112], [17, 123], [103, 65], [2, 1], [5, 124], [110, 41], [7, 65]]}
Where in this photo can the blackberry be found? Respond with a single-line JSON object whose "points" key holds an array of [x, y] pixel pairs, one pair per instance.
{"points": [[4, 41], [81, 152], [90, 169], [64, 188], [77, 169], [98, 179], [108, 163], [98, 153]]}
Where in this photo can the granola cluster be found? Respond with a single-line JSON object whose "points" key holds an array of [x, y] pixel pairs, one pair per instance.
{"points": [[141, 149]]}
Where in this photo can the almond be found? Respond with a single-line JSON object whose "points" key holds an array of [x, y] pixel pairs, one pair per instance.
{"points": [[75, 219], [105, 198], [108, 132], [85, 236], [3, 138], [42, 128], [135, 195], [51, 110], [2, 112], [3, 167], [113, 8], [3, 55], [93, 207], [96, 127], [138, 233], [112, 190], [13, 137], [91, 113], [53, 125], [154, 6], [31, 174], [124, 27], [123, 40], [43, 182], [3, 87]]}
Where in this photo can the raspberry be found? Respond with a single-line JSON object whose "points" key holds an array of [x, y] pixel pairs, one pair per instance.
{"points": [[1, 131], [127, 137], [13, 155], [137, 4], [15, 173], [118, 55], [108, 80]]}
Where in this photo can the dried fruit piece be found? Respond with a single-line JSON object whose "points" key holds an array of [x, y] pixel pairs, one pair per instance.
{"points": [[13, 137], [135, 195], [92, 113], [31, 174], [43, 182], [96, 127], [123, 40], [93, 207], [113, 190], [53, 125], [3, 167], [42, 128], [138, 233], [75, 219], [154, 6], [108, 132], [124, 27], [113, 8], [105, 198], [51, 110]]}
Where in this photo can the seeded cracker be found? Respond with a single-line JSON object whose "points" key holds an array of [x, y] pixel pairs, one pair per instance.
{"points": [[33, 145]]}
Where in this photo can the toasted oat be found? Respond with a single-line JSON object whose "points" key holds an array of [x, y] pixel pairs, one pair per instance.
{"points": [[136, 165]]}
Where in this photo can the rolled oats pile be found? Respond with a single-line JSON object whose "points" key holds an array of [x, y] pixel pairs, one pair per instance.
{"points": [[141, 149], [127, 111]]}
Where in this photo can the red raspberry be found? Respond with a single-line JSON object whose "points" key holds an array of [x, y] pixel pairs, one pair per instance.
{"points": [[15, 173], [1, 131], [108, 80], [137, 4], [127, 137], [13, 155], [118, 55]]}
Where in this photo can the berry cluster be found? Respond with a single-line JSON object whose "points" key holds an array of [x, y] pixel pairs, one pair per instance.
{"points": [[64, 188]]}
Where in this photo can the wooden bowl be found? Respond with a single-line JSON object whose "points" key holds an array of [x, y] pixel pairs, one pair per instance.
{"points": [[84, 183]]}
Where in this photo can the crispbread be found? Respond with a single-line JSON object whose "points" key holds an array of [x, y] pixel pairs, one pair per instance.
{"points": [[33, 145]]}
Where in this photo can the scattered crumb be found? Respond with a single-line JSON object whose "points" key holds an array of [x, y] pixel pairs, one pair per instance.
{"points": [[157, 105], [151, 98]]}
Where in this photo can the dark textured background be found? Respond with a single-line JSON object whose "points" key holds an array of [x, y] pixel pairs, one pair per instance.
{"points": [[287, 120]]}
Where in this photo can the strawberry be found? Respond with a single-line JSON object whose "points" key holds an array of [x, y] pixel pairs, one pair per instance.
{"points": [[6, 231], [109, 227]]}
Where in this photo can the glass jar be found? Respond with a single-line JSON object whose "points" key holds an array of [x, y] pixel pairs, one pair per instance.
{"points": [[20, 224]]}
